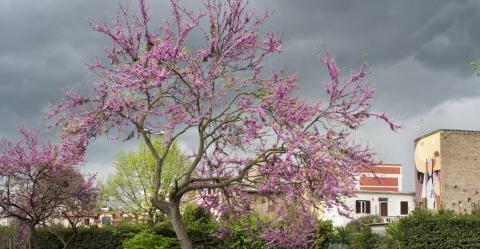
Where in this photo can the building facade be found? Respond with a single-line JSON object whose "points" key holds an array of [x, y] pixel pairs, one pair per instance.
{"points": [[447, 166], [379, 193]]}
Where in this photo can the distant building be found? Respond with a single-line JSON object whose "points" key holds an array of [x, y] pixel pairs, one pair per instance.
{"points": [[379, 193], [448, 170], [104, 217]]}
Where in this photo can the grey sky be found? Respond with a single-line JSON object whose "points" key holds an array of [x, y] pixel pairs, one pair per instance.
{"points": [[418, 51]]}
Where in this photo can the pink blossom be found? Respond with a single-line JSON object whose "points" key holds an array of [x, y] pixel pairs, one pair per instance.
{"points": [[253, 132]]}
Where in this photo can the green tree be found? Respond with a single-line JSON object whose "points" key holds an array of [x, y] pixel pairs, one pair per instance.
{"points": [[131, 185], [394, 234]]}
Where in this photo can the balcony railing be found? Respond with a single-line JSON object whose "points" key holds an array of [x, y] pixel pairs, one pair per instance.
{"points": [[389, 219]]}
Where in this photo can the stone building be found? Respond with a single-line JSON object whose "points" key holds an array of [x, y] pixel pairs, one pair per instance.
{"points": [[448, 170]]}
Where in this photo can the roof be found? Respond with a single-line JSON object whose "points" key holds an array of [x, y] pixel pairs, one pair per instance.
{"points": [[387, 164], [440, 130]]}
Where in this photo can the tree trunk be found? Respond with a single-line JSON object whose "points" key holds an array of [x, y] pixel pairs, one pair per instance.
{"points": [[33, 237], [152, 219], [179, 226]]}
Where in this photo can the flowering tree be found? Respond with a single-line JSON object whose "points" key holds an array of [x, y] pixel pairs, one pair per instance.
{"points": [[203, 73], [38, 181], [79, 203]]}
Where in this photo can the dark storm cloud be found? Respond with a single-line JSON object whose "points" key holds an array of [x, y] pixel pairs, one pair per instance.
{"points": [[386, 31], [418, 52], [409, 45]]}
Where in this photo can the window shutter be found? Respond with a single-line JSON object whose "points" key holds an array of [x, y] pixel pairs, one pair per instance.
{"points": [[368, 207], [357, 207], [404, 207]]}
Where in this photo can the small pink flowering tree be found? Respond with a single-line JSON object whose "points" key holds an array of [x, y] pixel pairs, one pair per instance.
{"points": [[80, 204], [203, 74], [38, 181]]}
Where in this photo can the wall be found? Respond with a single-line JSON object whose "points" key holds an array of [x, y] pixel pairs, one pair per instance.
{"points": [[460, 152], [394, 200], [381, 177]]}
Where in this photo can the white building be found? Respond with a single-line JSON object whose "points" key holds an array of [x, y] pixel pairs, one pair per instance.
{"points": [[379, 193]]}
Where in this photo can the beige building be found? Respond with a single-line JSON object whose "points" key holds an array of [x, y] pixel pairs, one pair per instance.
{"points": [[448, 170]]}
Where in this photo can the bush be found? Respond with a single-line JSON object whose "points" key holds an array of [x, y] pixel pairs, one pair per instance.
{"points": [[243, 233], [149, 240], [90, 238], [201, 227], [237, 234], [361, 236], [355, 235], [203, 232], [324, 234], [442, 230]]}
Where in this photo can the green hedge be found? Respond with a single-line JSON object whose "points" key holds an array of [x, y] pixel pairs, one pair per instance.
{"points": [[443, 230], [239, 234], [114, 237], [90, 238], [199, 224]]}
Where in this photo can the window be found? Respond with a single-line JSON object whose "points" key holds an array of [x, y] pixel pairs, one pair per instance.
{"points": [[362, 207], [86, 222], [404, 207], [106, 220]]}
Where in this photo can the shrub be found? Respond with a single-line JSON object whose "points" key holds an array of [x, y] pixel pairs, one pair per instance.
{"points": [[90, 238], [201, 227], [149, 240], [442, 230], [324, 234], [113, 237], [239, 234], [392, 237], [355, 235], [342, 235]]}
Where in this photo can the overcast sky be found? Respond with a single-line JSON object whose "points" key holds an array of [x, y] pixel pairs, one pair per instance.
{"points": [[418, 52]]}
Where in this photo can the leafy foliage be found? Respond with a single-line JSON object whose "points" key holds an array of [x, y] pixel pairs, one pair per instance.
{"points": [[202, 229], [90, 238], [360, 236], [442, 230], [242, 232], [324, 234], [149, 240], [475, 67], [130, 188]]}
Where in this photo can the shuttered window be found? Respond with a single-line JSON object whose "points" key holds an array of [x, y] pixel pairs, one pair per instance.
{"points": [[362, 207]]}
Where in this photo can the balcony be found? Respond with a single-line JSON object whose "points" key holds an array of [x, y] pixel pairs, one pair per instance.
{"points": [[390, 219]]}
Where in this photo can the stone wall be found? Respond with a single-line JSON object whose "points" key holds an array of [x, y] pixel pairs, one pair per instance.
{"points": [[460, 155]]}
